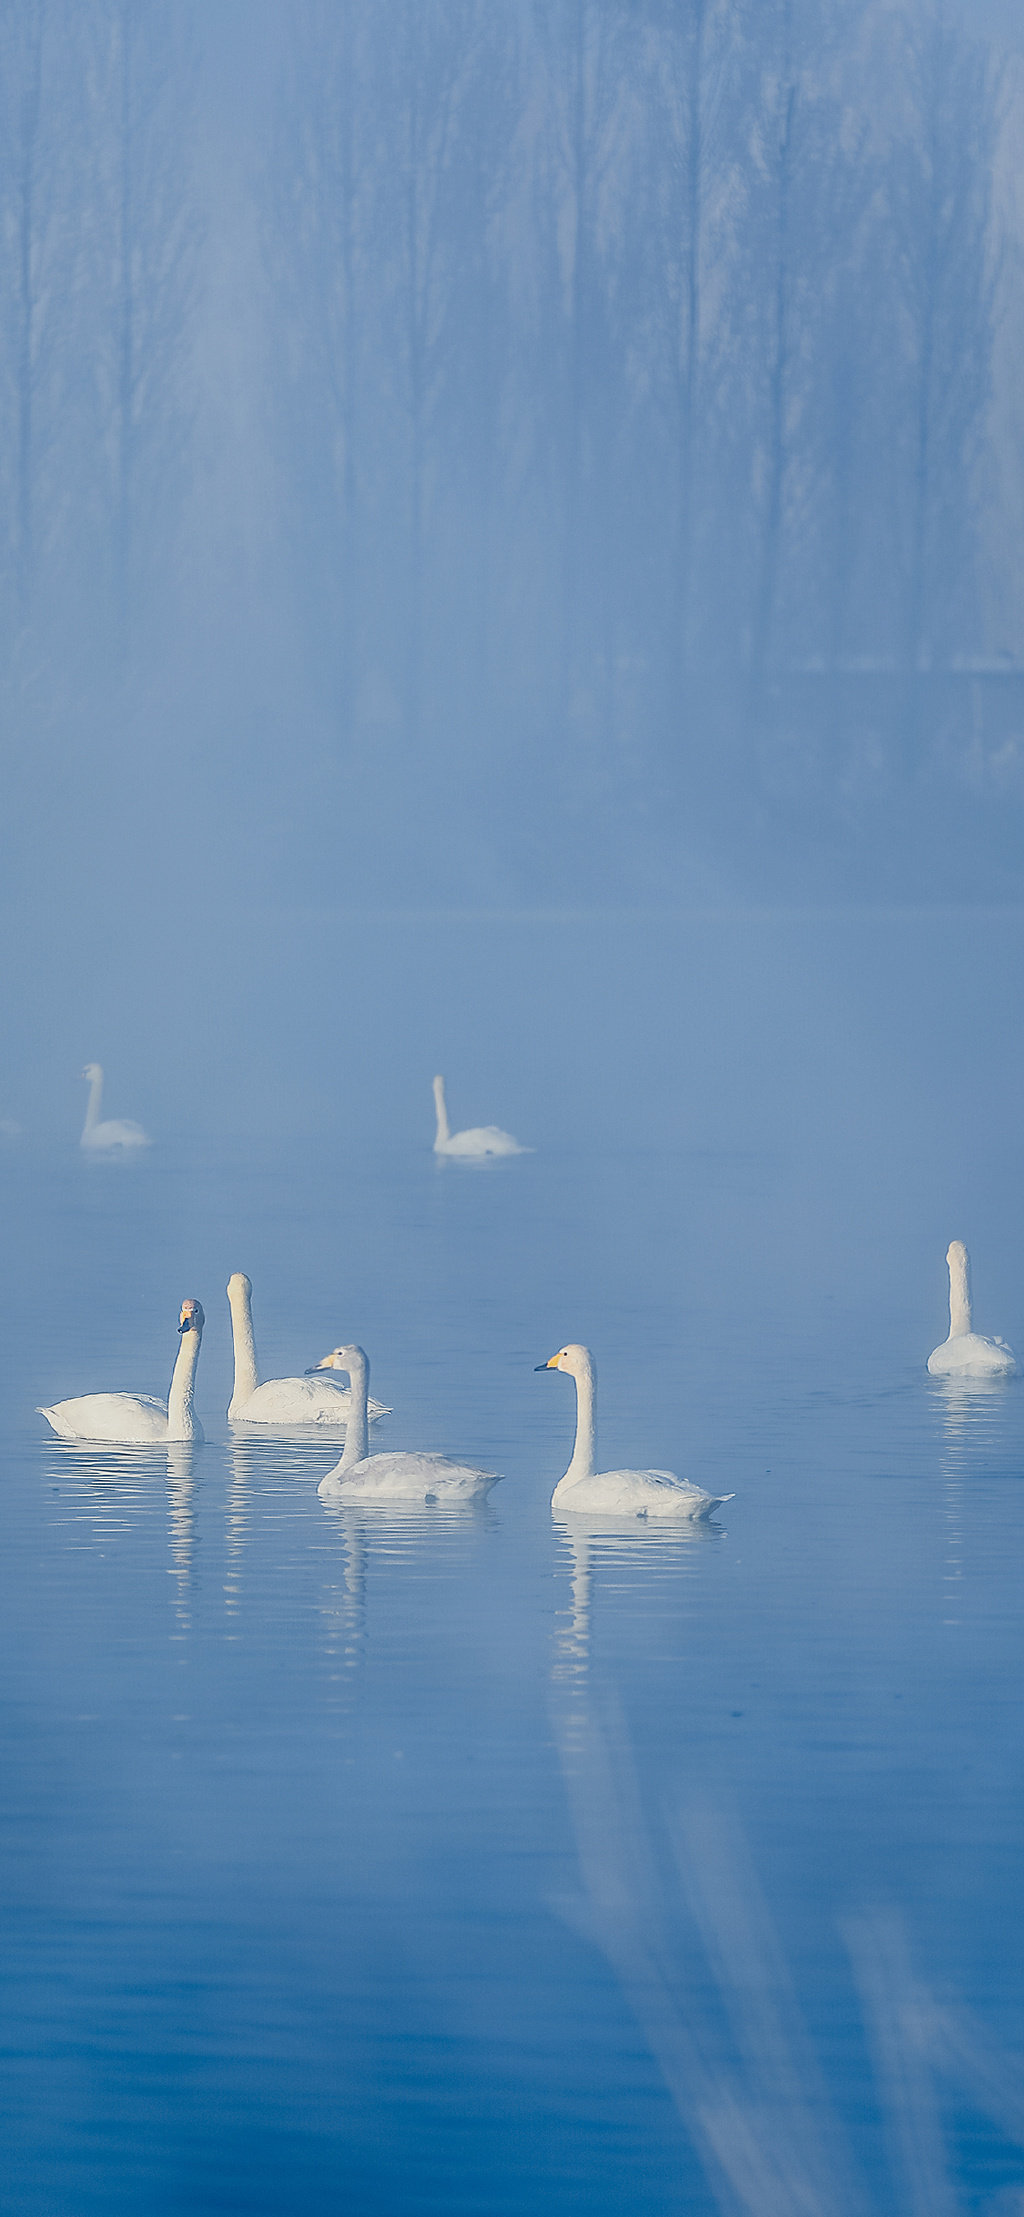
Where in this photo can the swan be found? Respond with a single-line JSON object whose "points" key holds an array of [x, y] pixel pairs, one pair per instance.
{"points": [[139, 1419], [967, 1354], [481, 1139], [115, 1131], [306, 1400], [396, 1477], [611, 1492]]}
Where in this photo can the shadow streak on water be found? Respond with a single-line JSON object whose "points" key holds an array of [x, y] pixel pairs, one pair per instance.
{"points": [[679, 1913]]}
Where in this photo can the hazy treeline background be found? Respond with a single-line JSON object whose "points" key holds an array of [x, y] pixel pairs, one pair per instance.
{"points": [[595, 426], [507, 455]]}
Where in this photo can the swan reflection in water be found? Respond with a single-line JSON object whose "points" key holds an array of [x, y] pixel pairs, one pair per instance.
{"points": [[430, 1543], [972, 1414], [625, 1553], [181, 1516], [243, 1458], [110, 1490]]}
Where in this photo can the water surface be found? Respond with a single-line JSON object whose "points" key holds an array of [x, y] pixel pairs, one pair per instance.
{"points": [[472, 1861]]}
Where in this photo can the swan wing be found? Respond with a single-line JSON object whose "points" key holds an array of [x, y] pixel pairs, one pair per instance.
{"points": [[407, 1477], [971, 1355], [483, 1139], [116, 1132], [302, 1401], [637, 1493], [122, 1419]]}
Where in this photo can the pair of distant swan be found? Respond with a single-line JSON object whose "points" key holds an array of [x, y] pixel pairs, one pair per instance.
{"points": [[966, 1353], [105, 1135]]}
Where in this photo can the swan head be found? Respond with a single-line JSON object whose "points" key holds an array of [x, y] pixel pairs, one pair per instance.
{"points": [[350, 1359], [92, 1071], [238, 1284], [956, 1255], [439, 1089], [191, 1318], [577, 1360]]}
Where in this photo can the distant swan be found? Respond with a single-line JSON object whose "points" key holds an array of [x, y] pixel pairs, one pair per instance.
{"points": [[306, 1400], [116, 1131], [631, 1492], [399, 1477], [480, 1139], [139, 1419], [967, 1354]]}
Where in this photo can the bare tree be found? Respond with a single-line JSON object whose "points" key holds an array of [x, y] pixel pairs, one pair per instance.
{"points": [[144, 240], [942, 171]]}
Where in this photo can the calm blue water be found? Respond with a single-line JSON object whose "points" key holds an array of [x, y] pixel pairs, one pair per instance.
{"points": [[462, 1862]]}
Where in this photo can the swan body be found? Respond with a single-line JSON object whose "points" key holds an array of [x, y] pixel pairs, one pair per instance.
{"points": [[966, 1353], [113, 1131], [479, 1140], [590, 1492], [307, 1400], [139, 1419], [396, 1477]]}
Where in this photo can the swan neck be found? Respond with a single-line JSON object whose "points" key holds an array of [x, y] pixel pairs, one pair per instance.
{"points": [[440, 1104], [357, 1427], [92, 1113], [959, 1295], [582, 1464], [181, 1422], [247, 1375]]}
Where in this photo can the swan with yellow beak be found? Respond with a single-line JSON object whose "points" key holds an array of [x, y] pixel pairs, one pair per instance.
{"points": [[589, 1492]]}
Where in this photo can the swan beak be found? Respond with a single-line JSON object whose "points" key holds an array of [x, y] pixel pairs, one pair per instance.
{"points": [[326, 1364], [551, 1364]]}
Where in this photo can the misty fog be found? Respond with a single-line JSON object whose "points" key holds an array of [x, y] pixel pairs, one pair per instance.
{"points": [[512, 565], [493, 458]]}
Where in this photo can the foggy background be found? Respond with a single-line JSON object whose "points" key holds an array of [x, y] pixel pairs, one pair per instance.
{"points": [[470, 468]]}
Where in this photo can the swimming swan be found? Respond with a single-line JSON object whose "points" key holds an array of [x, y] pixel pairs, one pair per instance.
{"points": [[139, 1419], [481, 1139], [967, 1354], [306, 1400], [609, 1492], [115, 1131], [399, 1477]]}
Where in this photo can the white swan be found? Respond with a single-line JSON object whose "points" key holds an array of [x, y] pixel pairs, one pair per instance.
{"points": [[613, 1492], [306, 1400], [967, 1354], [398, 1477], [480, 1139], [139, 1419], [115, 1131]]}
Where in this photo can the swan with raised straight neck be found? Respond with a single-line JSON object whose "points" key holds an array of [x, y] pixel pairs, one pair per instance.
{"points": [[477, 1141], [106, 1134], [588, 1492], [309, 1400], [396, 1477], [139, 1419], [967, 1353]]}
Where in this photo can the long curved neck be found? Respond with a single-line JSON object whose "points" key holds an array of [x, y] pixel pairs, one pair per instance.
{"points": [[440, 1104], [181, 1422], [582, 1464], [92, 1113], [247, 1375], [959, 1294], [357, 1428]]}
